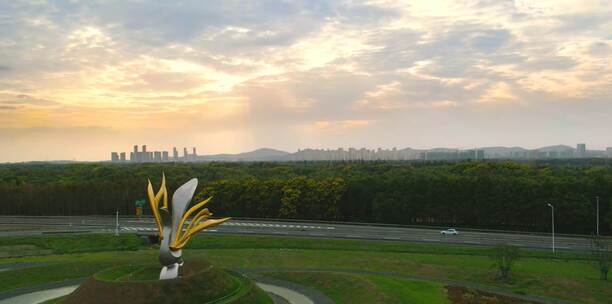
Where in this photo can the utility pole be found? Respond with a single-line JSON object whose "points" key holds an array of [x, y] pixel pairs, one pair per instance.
{"points": [[597, 215], [553, 226], [117, 223]]}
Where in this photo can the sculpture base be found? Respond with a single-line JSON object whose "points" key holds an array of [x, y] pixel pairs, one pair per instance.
{"points": [[169, 272], [198, 282]]}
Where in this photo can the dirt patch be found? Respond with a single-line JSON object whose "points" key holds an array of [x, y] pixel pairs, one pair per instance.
{"points": [[462, 295]]}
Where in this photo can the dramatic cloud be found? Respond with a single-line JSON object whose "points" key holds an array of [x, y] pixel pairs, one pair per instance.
{"points": [[229, 76]]}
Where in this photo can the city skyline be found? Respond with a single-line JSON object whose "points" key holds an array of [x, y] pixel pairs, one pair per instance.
{"points": [[78, 79], [581, 150]]}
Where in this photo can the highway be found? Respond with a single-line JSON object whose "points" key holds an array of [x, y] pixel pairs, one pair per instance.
{"points": [[47, 225]]}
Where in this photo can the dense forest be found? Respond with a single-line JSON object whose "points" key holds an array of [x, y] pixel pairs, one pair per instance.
{"points": [[498, 195]]}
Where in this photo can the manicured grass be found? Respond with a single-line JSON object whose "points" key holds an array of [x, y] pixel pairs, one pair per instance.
{"points": [[407, 291], [60, 244], [77, 243], [570, 277], [350, 288], [114, 274], [273, 242]]}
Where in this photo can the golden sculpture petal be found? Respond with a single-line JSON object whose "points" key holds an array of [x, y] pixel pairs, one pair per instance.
{"points": [[163, 193], [186, 216], [203, 214], [154, 203], [196, 229]]}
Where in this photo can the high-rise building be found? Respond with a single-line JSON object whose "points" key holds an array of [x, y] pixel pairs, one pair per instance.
{"points": [[145, 154], [609, 151], [165, 156], [114, 156], [185, 154], [581, 150], [157, 156], [134, 156], [122, 156], [194, 152], [480, 154], [175, 155]]}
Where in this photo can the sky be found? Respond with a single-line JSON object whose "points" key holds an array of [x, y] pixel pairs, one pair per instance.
{"points": [[79, 79]]}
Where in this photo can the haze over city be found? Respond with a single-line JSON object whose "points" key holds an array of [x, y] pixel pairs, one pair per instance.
{"points": [[78, 80]]}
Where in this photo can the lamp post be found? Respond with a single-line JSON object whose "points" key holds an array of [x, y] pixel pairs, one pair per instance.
{"points": [[117, 223], [552, 208], [597, 215]]}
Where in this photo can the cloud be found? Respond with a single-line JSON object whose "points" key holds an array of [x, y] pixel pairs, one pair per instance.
{"points": [[499, 92], [7, 107], [600, 49], [342, 124], [266, 67], [22, 100]]}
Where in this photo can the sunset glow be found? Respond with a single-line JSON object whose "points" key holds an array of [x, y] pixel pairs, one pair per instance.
{"points": [[78, 80]]}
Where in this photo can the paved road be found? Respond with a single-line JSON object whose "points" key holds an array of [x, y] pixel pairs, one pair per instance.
{"points": [[20, 226]]}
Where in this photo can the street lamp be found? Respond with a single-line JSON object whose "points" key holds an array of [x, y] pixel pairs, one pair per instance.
{"points": [[117, 223], [552, 208]]}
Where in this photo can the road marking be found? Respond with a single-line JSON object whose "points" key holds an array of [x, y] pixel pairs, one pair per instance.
{"points": [[276, 225]]}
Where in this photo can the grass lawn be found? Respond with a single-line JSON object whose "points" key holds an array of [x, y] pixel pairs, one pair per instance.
{"points": [[566, 276], [350, 288]]}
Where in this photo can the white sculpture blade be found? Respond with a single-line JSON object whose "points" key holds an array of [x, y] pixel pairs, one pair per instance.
{"points": [[180, 200], [169, 272]]}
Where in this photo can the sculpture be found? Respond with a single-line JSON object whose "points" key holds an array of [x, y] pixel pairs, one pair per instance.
{"points": [[171, 222]]}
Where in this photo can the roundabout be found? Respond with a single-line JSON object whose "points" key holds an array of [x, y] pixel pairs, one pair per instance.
{"points": [[198, 282]]}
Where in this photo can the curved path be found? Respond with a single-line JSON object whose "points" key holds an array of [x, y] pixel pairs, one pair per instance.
{"points": [[288, 295], [281, 292], [313, 295], [40, 296], [40, 293], [469, 285]]}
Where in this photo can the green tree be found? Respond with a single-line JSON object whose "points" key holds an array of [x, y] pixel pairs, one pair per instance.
{"points": [[289, 202], [601, 256], [504, 257]]}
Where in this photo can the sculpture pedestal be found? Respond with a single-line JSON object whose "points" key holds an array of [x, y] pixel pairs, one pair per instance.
{"points": [[169, 272], [198, 282]]}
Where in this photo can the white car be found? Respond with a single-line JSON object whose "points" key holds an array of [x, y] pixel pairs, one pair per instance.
{"points": [[450, 231]]}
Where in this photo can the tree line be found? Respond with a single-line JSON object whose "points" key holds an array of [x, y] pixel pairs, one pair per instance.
{"points": [[483, 194]]}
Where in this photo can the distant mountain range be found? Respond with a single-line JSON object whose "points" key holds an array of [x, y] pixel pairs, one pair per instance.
{"points": [[267, 154], [263, 154], [439, 153]]}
